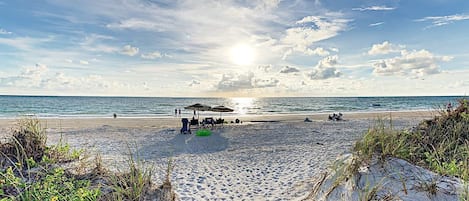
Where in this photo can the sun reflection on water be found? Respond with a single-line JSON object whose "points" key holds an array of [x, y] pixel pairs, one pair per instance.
{"points": [[242, 105]]}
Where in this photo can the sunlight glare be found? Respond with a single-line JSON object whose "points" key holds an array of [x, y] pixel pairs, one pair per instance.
{"points": [[242, 105], [242, 54]]}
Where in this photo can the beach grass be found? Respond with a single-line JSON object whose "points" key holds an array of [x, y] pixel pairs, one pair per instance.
{"points": [[30, 170], [440, 144]]}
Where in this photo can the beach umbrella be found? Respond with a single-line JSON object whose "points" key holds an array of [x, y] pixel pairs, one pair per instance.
{"points": [[221, 109], [198, 107]]}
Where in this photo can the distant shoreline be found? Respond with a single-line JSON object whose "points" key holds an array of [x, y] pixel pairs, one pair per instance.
{"points": [[204, 114], [174, 122]]}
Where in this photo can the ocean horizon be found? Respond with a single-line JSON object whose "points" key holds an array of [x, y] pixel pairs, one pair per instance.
{"points": [[12, 106]]}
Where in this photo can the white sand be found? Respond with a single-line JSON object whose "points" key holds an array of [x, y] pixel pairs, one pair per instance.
{"points": [[249, 161]]}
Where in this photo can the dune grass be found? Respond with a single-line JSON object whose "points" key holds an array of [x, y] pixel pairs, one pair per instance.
{"points": [[30, 170], [440, 144]]}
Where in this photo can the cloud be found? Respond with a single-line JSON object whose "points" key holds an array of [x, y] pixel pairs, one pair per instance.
{"points": [[410, 63], [129, 50], [152, 55], [264, 83], [265, 68], [266, 4], [97, 43], [24, 43], [324, 73], [312, 29], [385, 48], [334, 49], [84, 62], [443, 20], [5, 32], [137, 24], [325, 69], [68, 60], [34, 72], [194, 82], [318, 51], [29, 77], [374, 8], [234, 82], [328, 61], [288, 69], [41, 78], [375, 24]]}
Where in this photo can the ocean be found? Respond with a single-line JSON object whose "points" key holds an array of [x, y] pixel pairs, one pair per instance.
{"points": [[87, 107]]}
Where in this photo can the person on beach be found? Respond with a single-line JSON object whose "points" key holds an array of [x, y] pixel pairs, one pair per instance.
{"points": [[114, 115], [175, 112], [179, 112], [449, 107]]}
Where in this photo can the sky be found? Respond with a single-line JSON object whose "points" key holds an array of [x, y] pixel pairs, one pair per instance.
{"points": [[234, 48]]}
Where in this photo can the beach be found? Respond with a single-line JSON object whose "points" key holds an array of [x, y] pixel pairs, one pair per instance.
{"points": [[264, 158]]}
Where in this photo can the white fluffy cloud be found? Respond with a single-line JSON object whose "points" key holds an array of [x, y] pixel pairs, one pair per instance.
{"points": [[288, 69], [234, 82], [39, 78], [443, 20], [29, 77], [152, 55], [413, 63], [129, 50], [312, 29], [325, 69], [385, 48]]}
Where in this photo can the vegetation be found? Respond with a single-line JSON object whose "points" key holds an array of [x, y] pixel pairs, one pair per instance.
{"points": [[440, 144], [30, 170]]}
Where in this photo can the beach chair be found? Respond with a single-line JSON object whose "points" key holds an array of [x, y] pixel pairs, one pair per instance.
{"points": [[194, 123], [209, 121], [219, 121], [185, 126]]}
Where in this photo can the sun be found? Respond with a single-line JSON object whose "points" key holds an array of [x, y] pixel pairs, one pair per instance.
{"points": [[242, 54]]}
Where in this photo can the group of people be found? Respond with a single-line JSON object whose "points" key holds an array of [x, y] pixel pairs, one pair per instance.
{"points": [[177, 112], [335, 117]]}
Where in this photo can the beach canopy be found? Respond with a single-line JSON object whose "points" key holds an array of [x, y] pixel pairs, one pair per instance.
{"points": [[221, 109], [198, 107]]}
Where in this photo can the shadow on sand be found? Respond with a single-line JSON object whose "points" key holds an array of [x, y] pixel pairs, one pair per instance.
{"points": [[183, 144]]}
